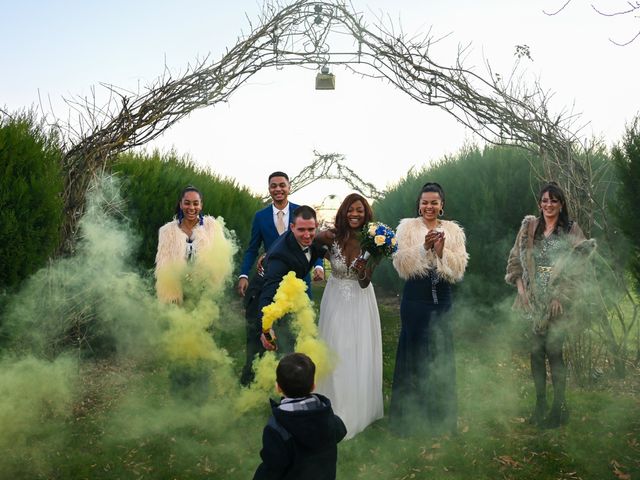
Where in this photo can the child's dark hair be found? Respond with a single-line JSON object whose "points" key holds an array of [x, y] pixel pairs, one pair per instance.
{"points": [[295, 375]]}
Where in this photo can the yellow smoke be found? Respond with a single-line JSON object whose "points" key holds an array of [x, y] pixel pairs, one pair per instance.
{"points": [[291, 298], [169, 282], [263, 384], [214, 264], [187, 339], [207, 275]]}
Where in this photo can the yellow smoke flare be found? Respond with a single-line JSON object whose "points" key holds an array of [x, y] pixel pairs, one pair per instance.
{"points": [[291, 297], [169, 282], [307, 341], [262, 386], [214, 265], [187, 340]]}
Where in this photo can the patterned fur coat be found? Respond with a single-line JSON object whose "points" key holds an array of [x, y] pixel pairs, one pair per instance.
{"points": [[521, 263], [566, 283], [411, 260]]}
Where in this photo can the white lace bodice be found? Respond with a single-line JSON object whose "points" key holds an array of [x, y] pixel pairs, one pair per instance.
{"points": [[339, 267]]}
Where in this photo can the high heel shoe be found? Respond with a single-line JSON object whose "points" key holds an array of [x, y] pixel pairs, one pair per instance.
{"points": [[559, 415], [538, 416]]}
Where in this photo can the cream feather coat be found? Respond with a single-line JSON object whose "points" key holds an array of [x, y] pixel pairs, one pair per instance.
{"points": [[411, 260], [208, 266]]}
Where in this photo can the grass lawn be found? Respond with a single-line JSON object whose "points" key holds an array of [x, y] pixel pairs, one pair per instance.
{"points": [[126, 426]]}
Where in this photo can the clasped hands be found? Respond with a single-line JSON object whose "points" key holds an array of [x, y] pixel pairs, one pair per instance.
{"points": [[434, 240]]}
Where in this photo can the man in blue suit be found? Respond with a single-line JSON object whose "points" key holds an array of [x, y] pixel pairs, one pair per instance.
{"points": [[268, 224]]}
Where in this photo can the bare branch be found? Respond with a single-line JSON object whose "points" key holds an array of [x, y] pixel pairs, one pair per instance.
{"points": [[300, 34], [625, 43], [633, 8], [559, 10]]}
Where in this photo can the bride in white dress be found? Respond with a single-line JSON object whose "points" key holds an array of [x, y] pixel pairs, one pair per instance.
{"points": [[350, 324]]}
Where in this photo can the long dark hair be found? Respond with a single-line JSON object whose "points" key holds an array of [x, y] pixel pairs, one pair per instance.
{"points": [[185, 190], [342, 222], [430, 187], [555, 193]]}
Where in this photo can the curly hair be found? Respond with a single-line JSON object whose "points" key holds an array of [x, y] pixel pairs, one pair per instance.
{"points": [[342, 222]]}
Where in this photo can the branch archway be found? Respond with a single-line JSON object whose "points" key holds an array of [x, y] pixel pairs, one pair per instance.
{"points": [[498, 110]]}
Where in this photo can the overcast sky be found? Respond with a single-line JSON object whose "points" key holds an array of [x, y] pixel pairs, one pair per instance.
{"points": [[55, 49]]}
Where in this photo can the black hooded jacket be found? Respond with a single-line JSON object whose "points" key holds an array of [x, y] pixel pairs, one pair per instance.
{"points": [[301, 444]]}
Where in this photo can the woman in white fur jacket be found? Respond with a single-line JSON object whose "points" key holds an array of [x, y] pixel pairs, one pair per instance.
{"points": [[431, 257], [186, 250]]}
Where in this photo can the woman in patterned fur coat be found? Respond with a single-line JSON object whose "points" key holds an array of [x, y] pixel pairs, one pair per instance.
{"points": [[542, 265]]}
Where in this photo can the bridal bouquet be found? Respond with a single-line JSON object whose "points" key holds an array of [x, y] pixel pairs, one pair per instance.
{"points": [[377, 240]]}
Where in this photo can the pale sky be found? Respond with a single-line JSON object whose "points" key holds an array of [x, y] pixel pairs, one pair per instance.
{"points": [[55, 49]]}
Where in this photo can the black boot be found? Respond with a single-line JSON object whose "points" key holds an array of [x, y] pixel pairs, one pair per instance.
{"points": [[537, 417], [559, 415]]}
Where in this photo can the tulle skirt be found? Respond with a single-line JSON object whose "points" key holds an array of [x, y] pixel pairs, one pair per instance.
{"points": [[350, 325]]}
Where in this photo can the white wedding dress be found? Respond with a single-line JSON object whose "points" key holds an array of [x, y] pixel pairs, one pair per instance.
{"points": [[350, 325]]}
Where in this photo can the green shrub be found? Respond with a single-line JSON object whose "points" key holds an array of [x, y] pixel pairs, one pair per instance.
{"points": [[31, 184], [152, 183], [626, 159]]}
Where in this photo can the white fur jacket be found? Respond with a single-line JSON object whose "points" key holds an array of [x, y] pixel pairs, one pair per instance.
{"points": [[411, 260], [171, 257]]}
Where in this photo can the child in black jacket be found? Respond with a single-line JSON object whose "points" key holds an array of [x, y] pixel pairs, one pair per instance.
{"points": [[301, 437]]}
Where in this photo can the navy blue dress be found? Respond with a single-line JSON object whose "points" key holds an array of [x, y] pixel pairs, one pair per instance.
{"points": [[424, 396]]}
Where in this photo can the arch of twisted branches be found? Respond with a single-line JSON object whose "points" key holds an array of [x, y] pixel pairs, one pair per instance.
{"points": [[498, 110]]}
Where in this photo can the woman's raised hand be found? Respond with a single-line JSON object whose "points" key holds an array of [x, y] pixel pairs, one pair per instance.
{"points": [[434, 240], [430, 239], [438, 245]]}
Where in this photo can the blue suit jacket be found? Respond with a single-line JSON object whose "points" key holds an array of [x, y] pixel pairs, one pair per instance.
{"points": [[263, 232]]}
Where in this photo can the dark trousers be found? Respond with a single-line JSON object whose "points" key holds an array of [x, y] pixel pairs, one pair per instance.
{"points": [[253, 328], [549, 346]]}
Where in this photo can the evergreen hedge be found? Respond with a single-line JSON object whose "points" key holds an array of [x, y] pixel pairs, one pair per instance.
{"points": [[152, 183], [626, 160], [31, 185]]}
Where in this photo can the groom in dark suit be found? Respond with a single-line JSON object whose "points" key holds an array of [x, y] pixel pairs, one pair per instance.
{"points": [[268, 224], [294, 251]]}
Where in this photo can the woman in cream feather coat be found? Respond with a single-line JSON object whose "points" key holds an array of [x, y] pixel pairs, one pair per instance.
{"points": [[186, 250], [431, 257]]}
